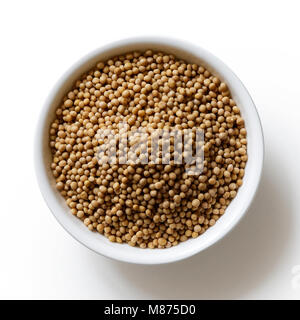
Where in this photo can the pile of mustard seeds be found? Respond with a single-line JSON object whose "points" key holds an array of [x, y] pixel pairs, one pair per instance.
{"points": [[148, 205]]}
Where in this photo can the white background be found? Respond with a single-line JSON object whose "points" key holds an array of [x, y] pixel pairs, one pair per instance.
{"points": [[259, 40]]}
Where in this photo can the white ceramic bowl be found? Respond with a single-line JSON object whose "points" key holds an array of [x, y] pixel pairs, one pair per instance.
{"points": [[235, 210]]}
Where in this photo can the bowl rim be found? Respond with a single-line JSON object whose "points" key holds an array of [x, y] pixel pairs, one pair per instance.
{"points": [[181, 45]]}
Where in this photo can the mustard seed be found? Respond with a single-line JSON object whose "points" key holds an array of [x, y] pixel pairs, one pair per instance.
{"points": [[144, 204]]}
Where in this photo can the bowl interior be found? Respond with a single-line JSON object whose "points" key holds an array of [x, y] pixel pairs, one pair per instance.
{"points": [[124, 252]]}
